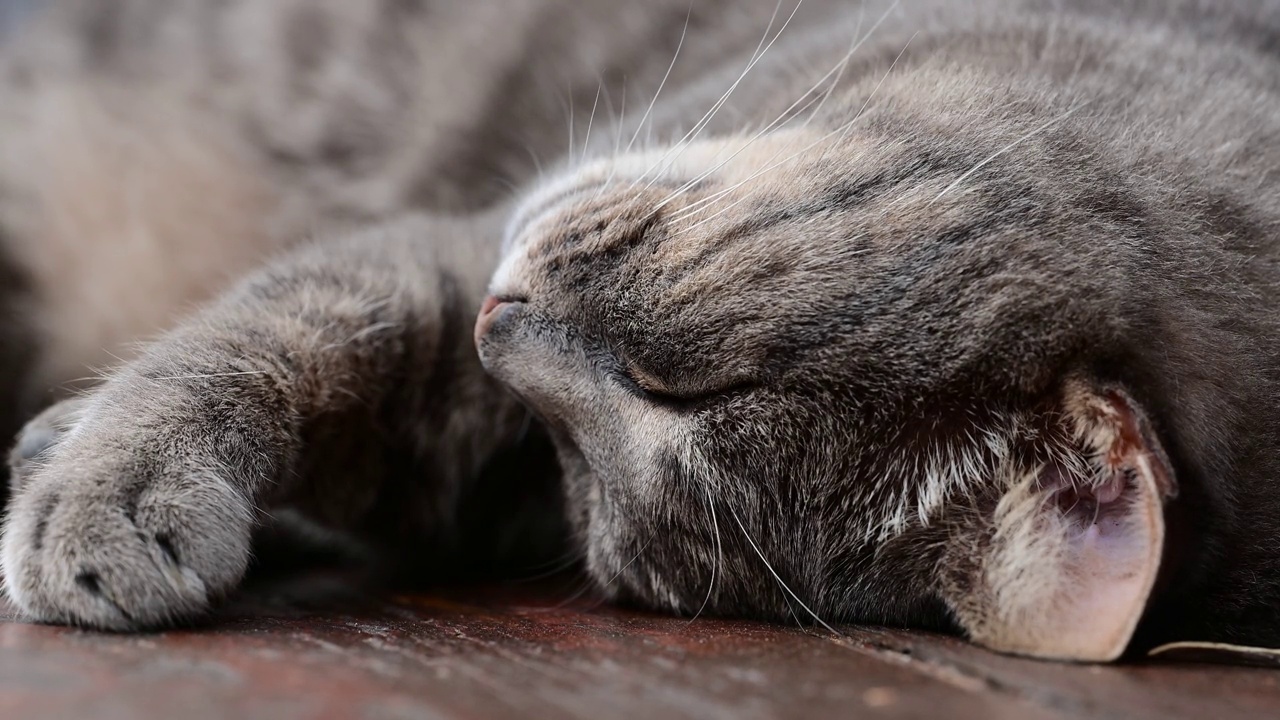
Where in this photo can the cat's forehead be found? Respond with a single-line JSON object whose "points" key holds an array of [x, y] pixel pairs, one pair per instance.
{"points": [[761, 249], [680, 213]]}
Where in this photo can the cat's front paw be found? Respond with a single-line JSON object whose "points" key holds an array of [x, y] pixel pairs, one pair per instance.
{"points": [[38, 438], [119, 525]]}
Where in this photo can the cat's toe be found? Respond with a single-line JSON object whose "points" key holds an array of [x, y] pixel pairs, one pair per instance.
{"points": [[39, 436], [32, 442], [124, 556]]}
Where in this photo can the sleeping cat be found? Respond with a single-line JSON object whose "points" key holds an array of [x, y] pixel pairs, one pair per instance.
{"points": [[946, 315]]}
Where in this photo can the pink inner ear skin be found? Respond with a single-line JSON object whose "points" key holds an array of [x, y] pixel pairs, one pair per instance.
{"points": [[1110, 490], [1080, 555], [1111, 554], [1084, 504], [1114, 561], [1108, 538]]}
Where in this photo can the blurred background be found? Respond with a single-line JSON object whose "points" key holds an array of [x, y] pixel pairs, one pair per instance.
{"points": [[11, 12]]}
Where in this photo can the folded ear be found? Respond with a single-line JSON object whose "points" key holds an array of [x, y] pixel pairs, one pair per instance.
{"points": [[1060, 561]]}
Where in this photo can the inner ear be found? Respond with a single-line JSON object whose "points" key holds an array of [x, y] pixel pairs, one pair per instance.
{"points": [[1063, 565]]}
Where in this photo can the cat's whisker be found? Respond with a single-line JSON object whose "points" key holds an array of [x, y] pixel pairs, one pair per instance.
{"points": [[362, 334], [876, 89], [693, 207], [584, 587], [620, 124], [608, 103], [763, 38], [649, 110], [682, 146], [596, 604], [586, 142], [116, 357], [509, 186], [680, 191], [67, 386], [525, 426], [983, 163], [778, 577], [99, 373], [589, 585], [857, 42], [537, 163], [683, 143], [842, 130], [555, 566], [572, 144], [785, 115], [352, 394], [198, 376], [630, 562], [715, 567]]}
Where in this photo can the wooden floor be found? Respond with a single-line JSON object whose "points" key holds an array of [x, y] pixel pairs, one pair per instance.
{"points": [[520, 653]]}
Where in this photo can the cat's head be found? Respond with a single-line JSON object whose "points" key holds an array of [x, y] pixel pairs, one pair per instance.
{"points": [[841, 377]]}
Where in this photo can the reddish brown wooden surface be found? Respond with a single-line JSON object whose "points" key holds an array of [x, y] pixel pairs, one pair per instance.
{"points": [[510, 654]]}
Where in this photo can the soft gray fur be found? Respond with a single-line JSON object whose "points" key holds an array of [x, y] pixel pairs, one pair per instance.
{"points": [[836, 336]]}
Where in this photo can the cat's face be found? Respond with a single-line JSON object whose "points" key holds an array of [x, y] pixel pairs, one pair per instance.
{"points": [[785, 377]]}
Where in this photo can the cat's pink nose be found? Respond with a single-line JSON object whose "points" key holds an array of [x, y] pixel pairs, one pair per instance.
{"points": [[489, 309], [489, 305]]}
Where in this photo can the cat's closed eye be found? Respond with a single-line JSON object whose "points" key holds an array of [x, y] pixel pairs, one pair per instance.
{"points": [[689, 394]]}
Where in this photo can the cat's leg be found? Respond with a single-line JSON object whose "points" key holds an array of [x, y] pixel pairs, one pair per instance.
{"points": [[140, 511]]}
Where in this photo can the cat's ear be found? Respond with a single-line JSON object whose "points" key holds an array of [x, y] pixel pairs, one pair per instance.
{"points": [[1061, 562]]}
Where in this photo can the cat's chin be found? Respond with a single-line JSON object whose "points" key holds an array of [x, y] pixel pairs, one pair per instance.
{"points": [[576, 473]]}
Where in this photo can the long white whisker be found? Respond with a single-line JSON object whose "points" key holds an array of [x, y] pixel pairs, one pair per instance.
{"points": [[692, 208], [782, 117], [608, 104], [761, 49], [555, 567], [842, 131], [622, 118], [1005, 149], [537, 164], [662, 84], [859, 44], [777, 577], [705, 174], [617, 143], [876, 89], [711, 586], [592, 120], [635, 557], [682, 146], [776, 8], [210, 375], [844, 65], [589, 585], [572, 144]]}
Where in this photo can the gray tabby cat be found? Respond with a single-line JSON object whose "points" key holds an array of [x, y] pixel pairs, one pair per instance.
{"points": [[956, 315]]}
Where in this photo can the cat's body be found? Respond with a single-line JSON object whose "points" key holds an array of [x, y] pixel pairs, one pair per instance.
{"points": [[926, 274]]}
